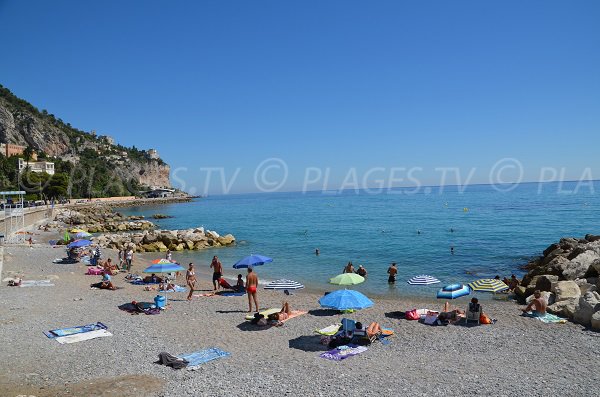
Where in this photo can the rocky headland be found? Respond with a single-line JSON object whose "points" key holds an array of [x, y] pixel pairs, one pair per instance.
{"points": [[134, 231], [568, 273]]}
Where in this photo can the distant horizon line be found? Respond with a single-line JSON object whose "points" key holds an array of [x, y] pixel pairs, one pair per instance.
{"points": [[399, 187]]}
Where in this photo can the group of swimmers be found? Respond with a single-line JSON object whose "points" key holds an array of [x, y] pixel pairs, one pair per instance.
{"points": [[349, 268]]}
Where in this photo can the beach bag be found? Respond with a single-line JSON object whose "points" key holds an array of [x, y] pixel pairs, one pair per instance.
{"points": [[484, 319], [412, 315]]}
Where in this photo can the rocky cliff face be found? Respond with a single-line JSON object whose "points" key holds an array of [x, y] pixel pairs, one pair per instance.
{"points": [[24, 125]]}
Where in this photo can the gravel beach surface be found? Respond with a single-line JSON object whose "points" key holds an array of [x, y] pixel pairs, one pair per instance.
{"points": [[517, 356]]}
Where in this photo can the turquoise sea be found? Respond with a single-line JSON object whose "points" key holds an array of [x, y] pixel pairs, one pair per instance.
{"points": [[493, 232]]}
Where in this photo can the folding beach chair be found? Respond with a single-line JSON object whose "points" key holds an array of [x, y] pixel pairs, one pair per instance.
{"points": [[474, 311]]}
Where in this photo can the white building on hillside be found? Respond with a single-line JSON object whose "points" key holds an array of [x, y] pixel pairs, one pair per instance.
{"points": [[37, 166]]}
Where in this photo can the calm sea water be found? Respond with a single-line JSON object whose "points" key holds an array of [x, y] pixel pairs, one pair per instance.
{"points": [[493, 232]]}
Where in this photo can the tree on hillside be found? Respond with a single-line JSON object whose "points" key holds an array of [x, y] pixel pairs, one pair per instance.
{"points": [[27, 153]]}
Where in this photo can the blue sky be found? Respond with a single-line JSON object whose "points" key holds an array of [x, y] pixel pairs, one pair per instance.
{"points": [[334, 84]]}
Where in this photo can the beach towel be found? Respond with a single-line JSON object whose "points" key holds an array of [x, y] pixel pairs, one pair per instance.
{"points": [[36, 283], [75, 330], [203, 356], [329, 330], [141, 282], [83, 336], [205, 294], [231, 293], [293, 314], [547, 318], [264, 313], [343, 352], [178, 288]]}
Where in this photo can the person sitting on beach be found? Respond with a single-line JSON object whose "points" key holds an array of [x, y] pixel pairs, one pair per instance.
{"points": [[373, 330], [349, 268], [514, 282], [239, 287], [224, 284], [153, 279], [110, 267], [537, 305], [167, 285], [359, 331], [361, 271], [506, 281], [452, 316], [283, 314], [392, 271], [106, 283]]}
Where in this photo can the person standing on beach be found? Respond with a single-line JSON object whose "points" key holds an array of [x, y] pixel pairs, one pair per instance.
{"points": [[169, 256], [121, 256], [251, 287], [392, 271], [129, 258], [190, 277], [217, 271]]}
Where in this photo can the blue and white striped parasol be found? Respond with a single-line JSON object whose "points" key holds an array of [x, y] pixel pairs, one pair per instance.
{"points": [[453, 291], [423, 279], [284, 284]]}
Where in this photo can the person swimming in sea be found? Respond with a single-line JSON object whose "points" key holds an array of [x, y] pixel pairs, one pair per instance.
{"points": [[452, 250]]}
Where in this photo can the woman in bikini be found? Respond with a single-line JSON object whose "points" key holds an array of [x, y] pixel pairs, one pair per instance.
{"points": [[190, 278], [283, 314]]}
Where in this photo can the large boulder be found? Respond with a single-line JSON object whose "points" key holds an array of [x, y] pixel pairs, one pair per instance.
{"points": [[212, 234], [595, 322], [591, 238], [566, 290], [160, 246], [545, 282], [589, 304], [226, 240], [580, 265], [565, 308], [150, 238]]}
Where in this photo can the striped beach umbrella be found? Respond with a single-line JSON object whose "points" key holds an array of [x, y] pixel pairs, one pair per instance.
{"points": [[423, 279], [284, 284], [453, 291], [347, 279], [488, 285]]}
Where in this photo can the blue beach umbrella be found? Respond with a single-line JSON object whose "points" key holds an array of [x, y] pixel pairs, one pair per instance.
{"points": [[79, 243], [453, 291], [251, 261], [345, 299], [164, 268]]}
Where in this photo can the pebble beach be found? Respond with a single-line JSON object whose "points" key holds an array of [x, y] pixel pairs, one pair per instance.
{"points": [[516, 356]]}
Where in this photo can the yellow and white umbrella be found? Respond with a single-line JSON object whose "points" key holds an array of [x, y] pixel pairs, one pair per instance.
{"points": [[488, 285]]}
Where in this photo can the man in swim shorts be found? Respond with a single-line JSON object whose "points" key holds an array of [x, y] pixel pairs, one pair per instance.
{"points": [[251, 286], [392, 271], [537, 305], [217, 271]]}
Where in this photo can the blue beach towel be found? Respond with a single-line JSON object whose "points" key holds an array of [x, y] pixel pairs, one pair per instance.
{"points": [[74, 330], [203, 356], [231, 293]]}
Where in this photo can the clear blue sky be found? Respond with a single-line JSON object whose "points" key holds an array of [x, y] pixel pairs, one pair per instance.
{"points": [[335, 84]]}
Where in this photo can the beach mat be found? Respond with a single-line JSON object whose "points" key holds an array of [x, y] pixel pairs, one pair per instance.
{"points": [[330, 330], [231, 293], [83, 336], [36, 283], [264, 313], [548, 318], [74, 330], [294, 314], [203, 356], [343, 352]]}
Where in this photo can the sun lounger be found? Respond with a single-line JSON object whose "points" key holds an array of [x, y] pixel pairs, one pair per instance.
{"points": [[203, 356]]}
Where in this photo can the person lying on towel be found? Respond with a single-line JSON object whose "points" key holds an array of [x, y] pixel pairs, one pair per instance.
{"points": [[452, 316], [153, 279], [283, 314]]}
